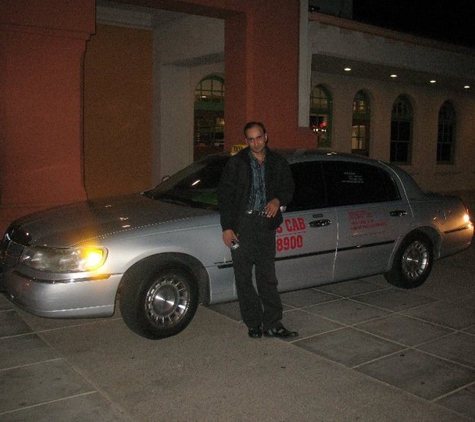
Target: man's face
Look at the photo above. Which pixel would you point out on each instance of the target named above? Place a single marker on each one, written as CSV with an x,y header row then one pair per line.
x,y
256,139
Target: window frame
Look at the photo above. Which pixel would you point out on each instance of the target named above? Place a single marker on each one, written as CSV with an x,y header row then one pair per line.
x,y
211,98
321,115
402,121
361,119
446,133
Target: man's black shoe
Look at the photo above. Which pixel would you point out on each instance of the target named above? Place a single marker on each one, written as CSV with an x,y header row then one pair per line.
x,y
280,332
255,332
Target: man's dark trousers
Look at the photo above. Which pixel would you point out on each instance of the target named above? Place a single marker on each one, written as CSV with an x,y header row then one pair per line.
x,y
257,247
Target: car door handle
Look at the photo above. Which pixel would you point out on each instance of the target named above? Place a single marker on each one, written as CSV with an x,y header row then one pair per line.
x,y
319,223
398,213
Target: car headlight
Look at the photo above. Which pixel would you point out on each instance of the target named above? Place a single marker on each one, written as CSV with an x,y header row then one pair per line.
x,y
63,260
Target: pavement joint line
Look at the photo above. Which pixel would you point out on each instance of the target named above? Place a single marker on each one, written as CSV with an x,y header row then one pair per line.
x,y
47,402
26,365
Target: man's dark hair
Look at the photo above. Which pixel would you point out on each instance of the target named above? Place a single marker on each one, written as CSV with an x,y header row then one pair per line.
x,y
248,125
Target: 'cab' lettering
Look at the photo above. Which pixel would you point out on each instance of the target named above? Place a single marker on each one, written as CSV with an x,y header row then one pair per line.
x,y
294,224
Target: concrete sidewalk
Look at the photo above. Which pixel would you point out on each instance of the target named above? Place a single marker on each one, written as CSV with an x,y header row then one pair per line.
x,y
357,358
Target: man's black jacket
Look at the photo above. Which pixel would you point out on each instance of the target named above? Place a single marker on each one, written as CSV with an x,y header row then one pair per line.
x,y
235,187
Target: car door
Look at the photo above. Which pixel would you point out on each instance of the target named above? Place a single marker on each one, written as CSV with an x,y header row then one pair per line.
x,y
371,215
306,240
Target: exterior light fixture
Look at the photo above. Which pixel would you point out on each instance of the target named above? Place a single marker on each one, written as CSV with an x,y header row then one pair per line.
x,y
433,81
467,86
347,69
393,75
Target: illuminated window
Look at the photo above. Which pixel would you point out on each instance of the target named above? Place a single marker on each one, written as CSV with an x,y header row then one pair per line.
x,y
401,131
209,94
321,108
360,128
446,134
209,116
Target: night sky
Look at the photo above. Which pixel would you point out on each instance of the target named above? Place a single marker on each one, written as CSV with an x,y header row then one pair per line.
x,y
449,21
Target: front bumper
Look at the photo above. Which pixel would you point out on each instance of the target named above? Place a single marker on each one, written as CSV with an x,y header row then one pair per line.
x,y
75,298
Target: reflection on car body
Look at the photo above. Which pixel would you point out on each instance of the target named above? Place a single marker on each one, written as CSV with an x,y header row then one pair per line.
x,y
162,252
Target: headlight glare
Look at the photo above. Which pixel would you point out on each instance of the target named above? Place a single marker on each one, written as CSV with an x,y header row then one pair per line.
x,y
63,260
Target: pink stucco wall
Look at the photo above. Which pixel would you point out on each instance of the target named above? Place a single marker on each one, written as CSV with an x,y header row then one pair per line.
x,y
42,47
41,51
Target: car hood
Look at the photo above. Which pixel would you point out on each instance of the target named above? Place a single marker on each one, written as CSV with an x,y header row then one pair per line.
x,y
86,221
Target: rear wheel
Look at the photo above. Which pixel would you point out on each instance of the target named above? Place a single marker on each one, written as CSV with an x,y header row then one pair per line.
x,y
158,301
412,263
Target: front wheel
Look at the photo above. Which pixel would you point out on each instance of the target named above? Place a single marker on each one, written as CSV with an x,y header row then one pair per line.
x,y
158,301
412,263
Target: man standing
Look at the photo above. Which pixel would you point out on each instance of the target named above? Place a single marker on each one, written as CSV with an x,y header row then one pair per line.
x,y
255,183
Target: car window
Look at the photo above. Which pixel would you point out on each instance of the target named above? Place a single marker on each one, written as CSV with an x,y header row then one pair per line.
x,y
351,183
309,188
195,185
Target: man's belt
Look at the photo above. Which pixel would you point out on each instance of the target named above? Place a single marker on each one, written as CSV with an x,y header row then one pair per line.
x,y
259,213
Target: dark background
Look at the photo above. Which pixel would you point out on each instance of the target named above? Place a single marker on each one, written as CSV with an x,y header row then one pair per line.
x,y
449,21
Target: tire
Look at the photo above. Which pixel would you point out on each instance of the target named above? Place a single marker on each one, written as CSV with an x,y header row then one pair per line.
x,y
412,263
157,300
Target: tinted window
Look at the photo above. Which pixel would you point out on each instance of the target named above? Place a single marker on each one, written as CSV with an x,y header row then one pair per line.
x,y
356,183
309,190
195,185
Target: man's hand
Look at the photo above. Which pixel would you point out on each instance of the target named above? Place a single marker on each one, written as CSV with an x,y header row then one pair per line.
x,y
228,236
272,207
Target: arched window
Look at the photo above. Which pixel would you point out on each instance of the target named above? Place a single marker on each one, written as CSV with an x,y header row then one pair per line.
x,y
446,134
360,132
209,93
401,131
209,116
321,109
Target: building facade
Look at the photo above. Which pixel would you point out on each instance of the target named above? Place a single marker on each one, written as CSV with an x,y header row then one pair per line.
x,y
104,101
395,97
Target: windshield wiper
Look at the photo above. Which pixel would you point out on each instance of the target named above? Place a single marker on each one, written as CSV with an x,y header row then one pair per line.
x,y
147,193
173,200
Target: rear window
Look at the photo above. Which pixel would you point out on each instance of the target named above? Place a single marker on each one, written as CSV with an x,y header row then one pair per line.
x,y
320,184
357,183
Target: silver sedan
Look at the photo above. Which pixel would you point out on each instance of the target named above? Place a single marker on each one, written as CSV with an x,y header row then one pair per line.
x,y
160,252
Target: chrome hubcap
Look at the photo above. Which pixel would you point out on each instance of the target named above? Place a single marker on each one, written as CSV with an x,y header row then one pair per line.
x,y
167,301
415,260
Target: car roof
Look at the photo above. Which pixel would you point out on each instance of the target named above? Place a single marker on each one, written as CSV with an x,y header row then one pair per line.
x,y
294,154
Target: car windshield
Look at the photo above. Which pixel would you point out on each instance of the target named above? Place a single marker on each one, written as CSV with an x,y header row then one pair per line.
x,y
196,185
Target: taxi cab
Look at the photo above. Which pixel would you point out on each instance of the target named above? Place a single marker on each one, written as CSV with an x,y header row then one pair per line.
x,y
160,252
